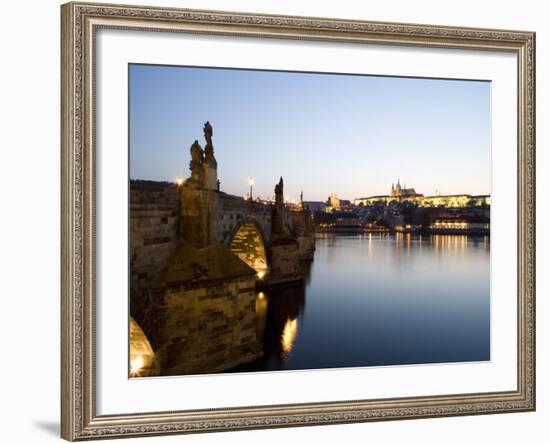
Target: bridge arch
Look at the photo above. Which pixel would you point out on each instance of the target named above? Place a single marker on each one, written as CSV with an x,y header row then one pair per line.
x,y
247,241
143,361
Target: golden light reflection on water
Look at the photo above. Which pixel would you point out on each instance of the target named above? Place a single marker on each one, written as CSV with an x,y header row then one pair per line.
x,y
261,314
456,244
288,337
442,244
370,246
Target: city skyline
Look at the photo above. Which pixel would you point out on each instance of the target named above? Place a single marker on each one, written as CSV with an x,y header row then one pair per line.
x,y
323,133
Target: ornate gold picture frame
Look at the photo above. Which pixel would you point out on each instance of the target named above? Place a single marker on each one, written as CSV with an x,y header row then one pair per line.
x,y
80,22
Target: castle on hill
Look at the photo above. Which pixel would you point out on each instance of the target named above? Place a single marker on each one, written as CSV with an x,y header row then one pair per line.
x,y
403,194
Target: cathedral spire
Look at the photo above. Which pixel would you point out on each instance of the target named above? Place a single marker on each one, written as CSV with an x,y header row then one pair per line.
x,y
398,188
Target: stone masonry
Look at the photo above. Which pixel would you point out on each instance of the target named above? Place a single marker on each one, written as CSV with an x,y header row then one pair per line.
x,y
205,303
154,222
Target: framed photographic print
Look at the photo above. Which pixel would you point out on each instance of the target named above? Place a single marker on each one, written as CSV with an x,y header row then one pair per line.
x,y
281,221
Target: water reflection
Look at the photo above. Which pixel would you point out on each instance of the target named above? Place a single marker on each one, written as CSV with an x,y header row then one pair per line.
x,y
261,313
288,337
279,311
380,299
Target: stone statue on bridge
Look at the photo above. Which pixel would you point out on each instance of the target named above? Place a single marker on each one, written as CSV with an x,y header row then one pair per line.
x,y
210,163
278,210
208,132
279,197
203,164
196,163
197,153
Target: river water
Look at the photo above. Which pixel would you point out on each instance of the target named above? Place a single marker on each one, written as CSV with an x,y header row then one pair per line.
x,y
380,299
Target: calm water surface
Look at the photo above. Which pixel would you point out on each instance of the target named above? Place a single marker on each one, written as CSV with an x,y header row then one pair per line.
x,y
380,300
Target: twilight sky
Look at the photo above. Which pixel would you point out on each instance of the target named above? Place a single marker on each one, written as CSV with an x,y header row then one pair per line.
x,y
324,133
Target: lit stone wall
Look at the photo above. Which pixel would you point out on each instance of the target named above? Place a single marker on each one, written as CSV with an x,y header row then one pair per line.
x,y
207,328
199,215
154,222
303,231
154,226
285,261
306,247
448,201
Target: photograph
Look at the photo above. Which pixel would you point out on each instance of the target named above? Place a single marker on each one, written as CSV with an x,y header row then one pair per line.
x,y
288,220
294,217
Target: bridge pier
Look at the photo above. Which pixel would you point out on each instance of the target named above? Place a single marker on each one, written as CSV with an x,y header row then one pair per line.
x,y
306,247
285,263
205,309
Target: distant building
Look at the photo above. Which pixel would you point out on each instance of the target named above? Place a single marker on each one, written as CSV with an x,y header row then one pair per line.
x,y
334,204
315,206
344,222
469,224
346,205
455,201
404,194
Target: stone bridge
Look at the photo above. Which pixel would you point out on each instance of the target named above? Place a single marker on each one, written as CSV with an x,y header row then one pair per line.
x,y
197,255
247,229
262,234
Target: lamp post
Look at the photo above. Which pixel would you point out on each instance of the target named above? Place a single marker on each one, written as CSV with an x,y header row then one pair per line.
x,y
250,183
